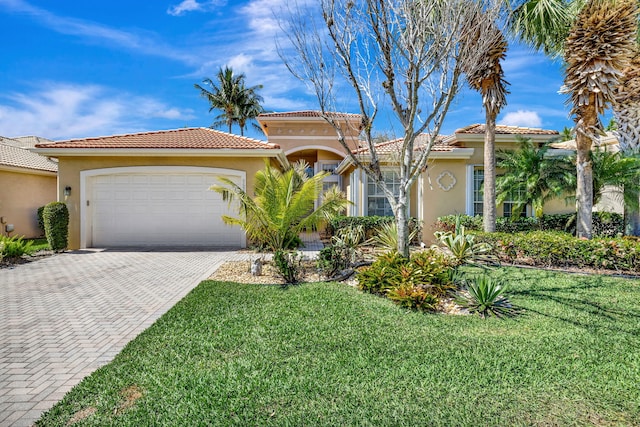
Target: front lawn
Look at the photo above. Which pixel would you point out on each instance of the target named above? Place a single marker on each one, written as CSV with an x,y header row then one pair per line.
x,y
327,354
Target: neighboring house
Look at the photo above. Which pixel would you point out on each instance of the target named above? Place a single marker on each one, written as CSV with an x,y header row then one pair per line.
x,y
27,181
152,188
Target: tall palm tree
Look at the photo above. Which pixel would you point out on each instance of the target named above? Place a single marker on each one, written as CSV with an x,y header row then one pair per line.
x,y
626,110
546,24
597,51
236,102
532,177
486,76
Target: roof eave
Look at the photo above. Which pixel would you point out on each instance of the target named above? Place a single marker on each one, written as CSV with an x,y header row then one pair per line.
x,y
26,170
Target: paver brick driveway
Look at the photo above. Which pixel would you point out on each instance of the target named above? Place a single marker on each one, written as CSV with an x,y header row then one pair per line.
x,y
65,316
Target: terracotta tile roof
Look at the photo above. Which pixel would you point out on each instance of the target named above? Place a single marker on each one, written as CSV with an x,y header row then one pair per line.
x,y
307,113
394,145
14,155
187,138
506,130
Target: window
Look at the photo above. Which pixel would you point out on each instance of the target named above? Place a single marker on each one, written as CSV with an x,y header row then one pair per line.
x,y
478,197
513,201
377,203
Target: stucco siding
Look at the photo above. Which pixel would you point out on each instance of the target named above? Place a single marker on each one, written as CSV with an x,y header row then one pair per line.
x,y
21,194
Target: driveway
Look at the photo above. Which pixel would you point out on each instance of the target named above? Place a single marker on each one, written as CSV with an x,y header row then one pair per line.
x,y
64,316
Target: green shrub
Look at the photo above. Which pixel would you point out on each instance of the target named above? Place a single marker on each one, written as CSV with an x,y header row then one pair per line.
x,y
370,224
557,249
413,297
428,270
485,297
56,225
15,247
41,219
342,252
289,265
605,224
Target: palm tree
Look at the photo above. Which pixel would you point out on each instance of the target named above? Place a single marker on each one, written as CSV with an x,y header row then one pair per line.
x,y
613,169
626,110
485,75
596,52
236,102
549,25
283,205
532,177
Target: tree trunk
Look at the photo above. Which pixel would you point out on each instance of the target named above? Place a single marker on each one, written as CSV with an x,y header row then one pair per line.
x,y
584,190
402,224
633,221
489,199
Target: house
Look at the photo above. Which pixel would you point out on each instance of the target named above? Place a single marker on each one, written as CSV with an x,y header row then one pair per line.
x,y
27,181
152,188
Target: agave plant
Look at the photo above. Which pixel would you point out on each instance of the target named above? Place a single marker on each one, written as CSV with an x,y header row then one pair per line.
x,y
463,247
486,298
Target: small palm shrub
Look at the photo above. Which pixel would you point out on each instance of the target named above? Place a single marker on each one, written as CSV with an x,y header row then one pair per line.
x,y
56,225
15,247
283,205
386,236
486,298
289,265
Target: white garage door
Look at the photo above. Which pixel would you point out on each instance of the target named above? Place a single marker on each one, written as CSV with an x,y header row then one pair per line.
x,y
159,209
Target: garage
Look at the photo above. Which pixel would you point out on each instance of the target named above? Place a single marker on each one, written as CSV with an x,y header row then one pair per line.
x,y
158,206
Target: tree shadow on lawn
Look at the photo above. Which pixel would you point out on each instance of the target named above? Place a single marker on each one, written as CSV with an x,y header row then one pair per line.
x,y
573,299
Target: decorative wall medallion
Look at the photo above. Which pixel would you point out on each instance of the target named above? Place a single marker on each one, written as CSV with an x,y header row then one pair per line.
x,y
446,181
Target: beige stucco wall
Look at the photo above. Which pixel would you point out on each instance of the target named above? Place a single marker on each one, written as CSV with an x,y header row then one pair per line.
x,y
21,194
293,135
70,168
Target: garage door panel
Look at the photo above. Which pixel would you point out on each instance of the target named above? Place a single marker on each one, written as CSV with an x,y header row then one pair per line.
x,y
160,210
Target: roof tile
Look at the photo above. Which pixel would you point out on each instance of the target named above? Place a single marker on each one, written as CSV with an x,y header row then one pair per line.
x,y
506,130
307,113
187,138
14,155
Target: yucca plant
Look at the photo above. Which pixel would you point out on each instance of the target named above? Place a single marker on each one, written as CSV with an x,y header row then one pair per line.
x,y
283,205
486,298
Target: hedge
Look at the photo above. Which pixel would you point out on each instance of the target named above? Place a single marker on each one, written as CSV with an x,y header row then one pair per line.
x,y
369,223
56,225
605,224
559,249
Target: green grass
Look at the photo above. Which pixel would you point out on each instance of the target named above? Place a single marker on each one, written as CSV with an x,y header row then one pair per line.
x,y
40,245
326,354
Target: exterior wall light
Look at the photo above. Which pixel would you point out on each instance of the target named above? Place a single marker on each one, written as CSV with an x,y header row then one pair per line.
x,y
67,191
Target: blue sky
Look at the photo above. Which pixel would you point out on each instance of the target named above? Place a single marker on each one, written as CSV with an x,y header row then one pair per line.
x,y
79,69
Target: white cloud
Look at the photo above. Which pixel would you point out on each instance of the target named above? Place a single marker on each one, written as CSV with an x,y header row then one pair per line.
x,y
524,118
194,6
67,111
